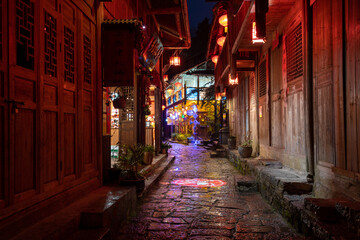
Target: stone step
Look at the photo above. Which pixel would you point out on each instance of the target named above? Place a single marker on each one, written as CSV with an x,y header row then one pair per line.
x,y
271,163
350,211
218,154
323,209
247,186
91,234
105,206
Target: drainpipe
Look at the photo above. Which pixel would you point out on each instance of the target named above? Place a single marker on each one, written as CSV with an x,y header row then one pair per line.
x,y
308,91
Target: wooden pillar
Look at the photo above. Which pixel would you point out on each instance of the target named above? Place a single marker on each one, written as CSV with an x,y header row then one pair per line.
x,y
308,89
158,119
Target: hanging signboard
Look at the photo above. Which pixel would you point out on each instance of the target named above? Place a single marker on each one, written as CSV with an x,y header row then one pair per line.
x,y
151,53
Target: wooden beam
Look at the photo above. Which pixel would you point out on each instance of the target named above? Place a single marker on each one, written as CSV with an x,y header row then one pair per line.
x,y
178,25
164,11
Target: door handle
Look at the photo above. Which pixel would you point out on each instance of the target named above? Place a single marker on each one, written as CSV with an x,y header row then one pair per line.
x,y
14,104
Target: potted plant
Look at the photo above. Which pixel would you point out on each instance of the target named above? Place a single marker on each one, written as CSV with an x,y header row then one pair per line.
x,y
165,147
245,148
148,154
147,109
232,142
130,158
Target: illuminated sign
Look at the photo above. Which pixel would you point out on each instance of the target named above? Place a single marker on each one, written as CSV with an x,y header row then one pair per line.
x,y
199,182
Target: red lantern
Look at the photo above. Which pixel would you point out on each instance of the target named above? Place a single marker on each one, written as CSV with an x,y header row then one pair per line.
x,y
175,60
214,59
220,41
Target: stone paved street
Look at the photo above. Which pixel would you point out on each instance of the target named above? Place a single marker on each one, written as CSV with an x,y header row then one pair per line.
x,y
176,211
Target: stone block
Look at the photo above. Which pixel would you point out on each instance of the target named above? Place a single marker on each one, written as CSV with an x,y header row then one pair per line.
x,y
297,188
323,209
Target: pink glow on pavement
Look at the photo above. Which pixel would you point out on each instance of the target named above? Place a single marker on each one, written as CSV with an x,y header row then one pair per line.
x,y
199,182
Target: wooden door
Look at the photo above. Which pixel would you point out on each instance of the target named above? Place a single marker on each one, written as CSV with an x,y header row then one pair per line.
x,y
47,100
4,108
352,101
24,124
323,84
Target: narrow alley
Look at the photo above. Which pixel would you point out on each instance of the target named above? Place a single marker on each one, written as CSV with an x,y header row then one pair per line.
x,y
179,207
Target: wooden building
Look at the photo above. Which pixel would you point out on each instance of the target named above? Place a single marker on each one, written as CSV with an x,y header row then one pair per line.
x,y
51,97
297,90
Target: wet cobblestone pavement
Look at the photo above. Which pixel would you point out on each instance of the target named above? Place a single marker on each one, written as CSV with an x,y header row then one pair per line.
x,y
178,211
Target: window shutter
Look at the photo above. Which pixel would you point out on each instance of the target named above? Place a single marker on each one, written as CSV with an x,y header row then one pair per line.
x,y
294,56
262,79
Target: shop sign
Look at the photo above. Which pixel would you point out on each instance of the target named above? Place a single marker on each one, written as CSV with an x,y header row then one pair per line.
x,y
151,53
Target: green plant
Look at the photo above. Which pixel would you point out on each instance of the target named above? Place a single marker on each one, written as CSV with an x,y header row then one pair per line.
x,y
181,137
165,145
129,160
149,148
147,109
174,136
247,140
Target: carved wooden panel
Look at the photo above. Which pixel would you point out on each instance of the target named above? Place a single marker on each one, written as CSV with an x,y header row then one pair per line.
x,y
25,33
50,95
87,59
88,137
69,55
69,98
25,89
50,146
50,39
69,144
24,154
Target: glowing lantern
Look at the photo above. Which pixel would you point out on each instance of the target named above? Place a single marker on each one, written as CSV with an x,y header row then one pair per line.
x,y
215,58
175,60
169,91
223,20
233,81
178,85
163,107
255,39
220,41
166,77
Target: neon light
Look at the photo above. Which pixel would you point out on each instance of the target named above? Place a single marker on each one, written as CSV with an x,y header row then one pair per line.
x,y
199,182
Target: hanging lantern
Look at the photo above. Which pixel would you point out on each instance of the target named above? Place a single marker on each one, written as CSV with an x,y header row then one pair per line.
x,y
163,107
220,41
175,61
169,91
214,59
178,85
255,39
223,20
166,77
233,81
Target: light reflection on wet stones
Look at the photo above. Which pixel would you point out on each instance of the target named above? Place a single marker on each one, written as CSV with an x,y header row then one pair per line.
x,y
171,211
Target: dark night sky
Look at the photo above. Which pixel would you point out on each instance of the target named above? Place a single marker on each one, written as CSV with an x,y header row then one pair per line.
x,y
198,10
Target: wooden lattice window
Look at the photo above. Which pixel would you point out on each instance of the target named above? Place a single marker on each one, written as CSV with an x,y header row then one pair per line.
x,y
50,45
128,111
25,33
262,79
87,59
69,55
294,56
